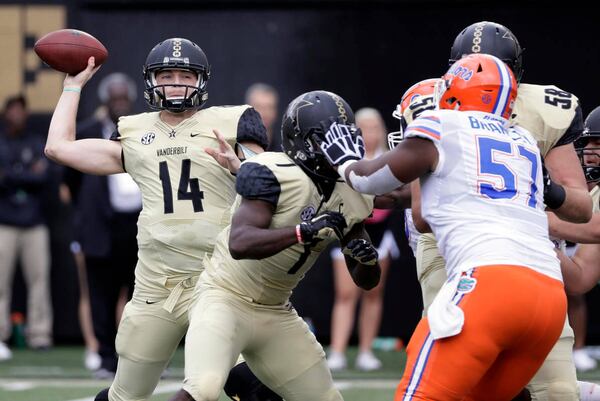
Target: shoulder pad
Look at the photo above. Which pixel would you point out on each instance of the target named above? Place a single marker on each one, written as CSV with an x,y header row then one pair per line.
x,y
552,106
257,181
127,124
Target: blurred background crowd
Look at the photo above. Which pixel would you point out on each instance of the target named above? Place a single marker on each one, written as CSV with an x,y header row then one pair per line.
x,y
67,240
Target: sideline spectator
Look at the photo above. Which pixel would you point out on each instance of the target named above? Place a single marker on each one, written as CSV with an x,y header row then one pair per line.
x,y
23,232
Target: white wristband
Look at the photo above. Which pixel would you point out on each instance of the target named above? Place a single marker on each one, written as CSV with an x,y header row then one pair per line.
x,y
342,168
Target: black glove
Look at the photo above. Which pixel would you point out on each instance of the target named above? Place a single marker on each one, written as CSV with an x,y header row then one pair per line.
x,y
554,194
308,231
362,251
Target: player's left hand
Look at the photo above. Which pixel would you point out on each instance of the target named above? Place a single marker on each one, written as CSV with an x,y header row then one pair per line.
x,y
341,146
225,155
362,251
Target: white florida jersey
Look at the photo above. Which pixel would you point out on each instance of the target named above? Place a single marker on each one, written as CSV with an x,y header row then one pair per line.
x,y
484,201
412,234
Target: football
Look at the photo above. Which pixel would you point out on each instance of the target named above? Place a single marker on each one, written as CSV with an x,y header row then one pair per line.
x,y
68,50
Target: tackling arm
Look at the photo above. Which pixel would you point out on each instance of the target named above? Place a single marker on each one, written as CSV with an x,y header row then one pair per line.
x,y
582,272
92,156
587,233
565,169
412,158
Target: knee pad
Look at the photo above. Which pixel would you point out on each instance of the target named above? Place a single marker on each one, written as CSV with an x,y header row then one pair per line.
x,y
102,395
205,388
245,386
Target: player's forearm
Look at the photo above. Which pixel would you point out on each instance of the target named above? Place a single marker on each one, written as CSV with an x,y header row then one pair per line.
x,y
406,162
62,125
577,207
249,242
577,278
364,276
587,233
369,177
572,274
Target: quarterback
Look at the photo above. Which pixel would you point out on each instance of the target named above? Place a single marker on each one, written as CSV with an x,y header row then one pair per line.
x,y
481,183
186,197
290,207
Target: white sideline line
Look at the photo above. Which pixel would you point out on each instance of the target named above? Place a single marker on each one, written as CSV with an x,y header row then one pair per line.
x,y
163,388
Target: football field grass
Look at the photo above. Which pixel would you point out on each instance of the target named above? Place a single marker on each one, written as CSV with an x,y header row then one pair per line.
x,y
59,375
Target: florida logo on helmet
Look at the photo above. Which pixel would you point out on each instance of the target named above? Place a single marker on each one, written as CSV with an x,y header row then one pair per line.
x,y
479,82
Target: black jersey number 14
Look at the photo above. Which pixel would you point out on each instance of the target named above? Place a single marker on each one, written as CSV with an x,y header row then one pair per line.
x,y
189,188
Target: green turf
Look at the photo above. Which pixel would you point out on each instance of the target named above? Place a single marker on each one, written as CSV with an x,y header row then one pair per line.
x,y
59,375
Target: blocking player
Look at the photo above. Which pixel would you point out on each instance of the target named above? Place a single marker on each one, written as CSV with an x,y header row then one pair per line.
x,y
290,206
554,118
186,197
582,272
503,306
415,100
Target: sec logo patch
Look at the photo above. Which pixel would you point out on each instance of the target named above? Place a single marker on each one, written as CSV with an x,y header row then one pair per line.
x,y
148,138
307,213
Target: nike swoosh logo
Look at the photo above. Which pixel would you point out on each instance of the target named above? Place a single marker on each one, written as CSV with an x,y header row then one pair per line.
x,y
150,302
194,135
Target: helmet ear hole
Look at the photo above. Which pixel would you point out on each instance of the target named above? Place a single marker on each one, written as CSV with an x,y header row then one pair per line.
x,y
479,68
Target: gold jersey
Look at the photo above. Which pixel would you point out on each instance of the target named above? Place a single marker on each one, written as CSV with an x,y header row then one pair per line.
x,y
275,178
549,113
186,194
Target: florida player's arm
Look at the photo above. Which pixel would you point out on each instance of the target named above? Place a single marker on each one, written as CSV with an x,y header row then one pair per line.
x,y
565,169
411,159
367,275
92,156
587,233
582,272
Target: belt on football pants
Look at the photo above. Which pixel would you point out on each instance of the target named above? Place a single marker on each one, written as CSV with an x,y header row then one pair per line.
x,y
180,286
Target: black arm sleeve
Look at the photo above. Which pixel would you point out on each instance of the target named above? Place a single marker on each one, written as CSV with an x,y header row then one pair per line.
x,y
251,128
255,181
574,130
